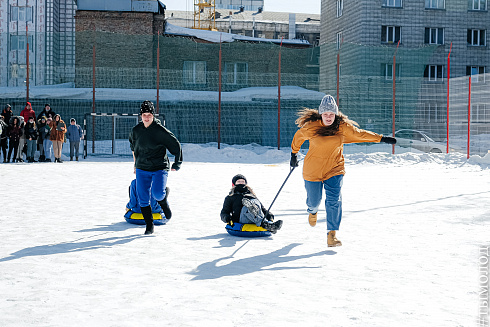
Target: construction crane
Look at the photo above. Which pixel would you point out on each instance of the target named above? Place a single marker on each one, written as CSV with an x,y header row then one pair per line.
x,y
205,15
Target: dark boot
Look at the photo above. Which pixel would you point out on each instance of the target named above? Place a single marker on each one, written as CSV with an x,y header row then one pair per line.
x,y
59,160
164,204
42,157
148,216
272,227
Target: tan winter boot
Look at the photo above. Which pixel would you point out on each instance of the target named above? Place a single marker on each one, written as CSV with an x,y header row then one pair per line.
x,y
312,219
332,240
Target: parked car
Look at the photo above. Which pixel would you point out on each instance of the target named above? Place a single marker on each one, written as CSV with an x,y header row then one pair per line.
x,y
409,138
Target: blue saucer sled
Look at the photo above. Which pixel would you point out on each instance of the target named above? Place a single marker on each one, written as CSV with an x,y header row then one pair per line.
x,y
246,230
137,218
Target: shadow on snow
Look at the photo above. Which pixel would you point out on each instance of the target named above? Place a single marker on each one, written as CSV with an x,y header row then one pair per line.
x,y
213,269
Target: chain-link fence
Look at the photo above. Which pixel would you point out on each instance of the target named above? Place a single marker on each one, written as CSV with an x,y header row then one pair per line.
x,y
123,71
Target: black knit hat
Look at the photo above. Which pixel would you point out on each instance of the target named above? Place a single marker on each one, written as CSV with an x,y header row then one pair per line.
x,y
147,106
237,177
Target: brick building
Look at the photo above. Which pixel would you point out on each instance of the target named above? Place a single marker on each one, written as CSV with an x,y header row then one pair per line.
x,y
126,42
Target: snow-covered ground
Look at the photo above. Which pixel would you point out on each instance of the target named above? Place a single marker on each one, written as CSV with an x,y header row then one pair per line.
x,y
411,231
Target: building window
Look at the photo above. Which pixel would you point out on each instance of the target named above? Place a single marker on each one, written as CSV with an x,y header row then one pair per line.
x,y
392,3
23,14
477,73
387,71
480,113
434,35
340,7
476,38
390,34
339,40
194,72
20,71
434,113
19,42
236,73
434,4
477,5
434,73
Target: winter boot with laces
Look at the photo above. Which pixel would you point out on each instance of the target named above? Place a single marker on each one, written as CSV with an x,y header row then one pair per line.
x,y
312,219
148,216
272,227
332,239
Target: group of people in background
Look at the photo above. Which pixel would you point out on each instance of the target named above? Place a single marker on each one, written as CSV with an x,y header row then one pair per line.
x,y
45,133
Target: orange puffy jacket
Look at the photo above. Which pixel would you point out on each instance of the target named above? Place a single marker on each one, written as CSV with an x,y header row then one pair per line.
x,y
325,157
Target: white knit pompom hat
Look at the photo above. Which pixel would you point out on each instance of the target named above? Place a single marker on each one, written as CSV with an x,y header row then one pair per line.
x,y
328,105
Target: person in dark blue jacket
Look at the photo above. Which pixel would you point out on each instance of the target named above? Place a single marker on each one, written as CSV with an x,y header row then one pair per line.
x,y
149,142
74,134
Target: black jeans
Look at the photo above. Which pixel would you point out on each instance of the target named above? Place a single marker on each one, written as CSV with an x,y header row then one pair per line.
x,y
14,145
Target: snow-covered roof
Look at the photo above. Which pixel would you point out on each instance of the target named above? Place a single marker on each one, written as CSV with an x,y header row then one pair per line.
x,y
264,16
67,91
214,36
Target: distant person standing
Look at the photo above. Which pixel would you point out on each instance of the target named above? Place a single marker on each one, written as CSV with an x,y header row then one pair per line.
x,y
28,112
47,112
74,134
57,136
7,114
4,138
31,133
149,141
14,132
45,134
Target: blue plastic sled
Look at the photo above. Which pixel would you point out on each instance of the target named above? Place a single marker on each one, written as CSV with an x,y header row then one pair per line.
x,y
137,218
246,230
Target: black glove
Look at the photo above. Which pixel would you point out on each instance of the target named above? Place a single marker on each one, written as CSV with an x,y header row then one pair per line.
x,y
294,160
175,166
269,216
225,218
388,139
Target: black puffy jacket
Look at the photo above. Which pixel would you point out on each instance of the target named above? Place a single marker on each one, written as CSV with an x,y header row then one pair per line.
x,y
232,205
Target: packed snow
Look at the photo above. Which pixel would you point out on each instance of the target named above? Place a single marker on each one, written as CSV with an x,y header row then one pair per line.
x,y
412,228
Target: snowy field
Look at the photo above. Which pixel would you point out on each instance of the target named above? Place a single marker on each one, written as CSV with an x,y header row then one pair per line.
x,y
411,232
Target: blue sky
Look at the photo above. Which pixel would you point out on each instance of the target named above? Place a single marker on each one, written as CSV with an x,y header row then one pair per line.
x,y
298,6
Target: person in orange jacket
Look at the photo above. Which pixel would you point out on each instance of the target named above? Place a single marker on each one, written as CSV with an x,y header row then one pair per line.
x,y
57,136
327,130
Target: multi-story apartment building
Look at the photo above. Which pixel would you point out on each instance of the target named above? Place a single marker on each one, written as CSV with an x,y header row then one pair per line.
x,y
48,27
365,34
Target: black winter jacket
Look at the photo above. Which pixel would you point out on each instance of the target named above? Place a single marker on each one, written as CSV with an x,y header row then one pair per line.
x,y
30,131
48,114
150,146
232,205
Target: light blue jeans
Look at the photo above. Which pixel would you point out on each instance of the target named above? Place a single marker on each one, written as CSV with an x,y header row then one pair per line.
x,y
333,199
48,148
246,217
31,148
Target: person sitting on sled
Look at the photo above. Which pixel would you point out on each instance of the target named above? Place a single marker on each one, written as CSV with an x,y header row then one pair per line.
x,y
242,206
133,204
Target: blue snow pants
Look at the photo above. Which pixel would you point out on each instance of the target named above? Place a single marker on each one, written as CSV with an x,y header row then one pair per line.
x,y
150,183
133,203
333,199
